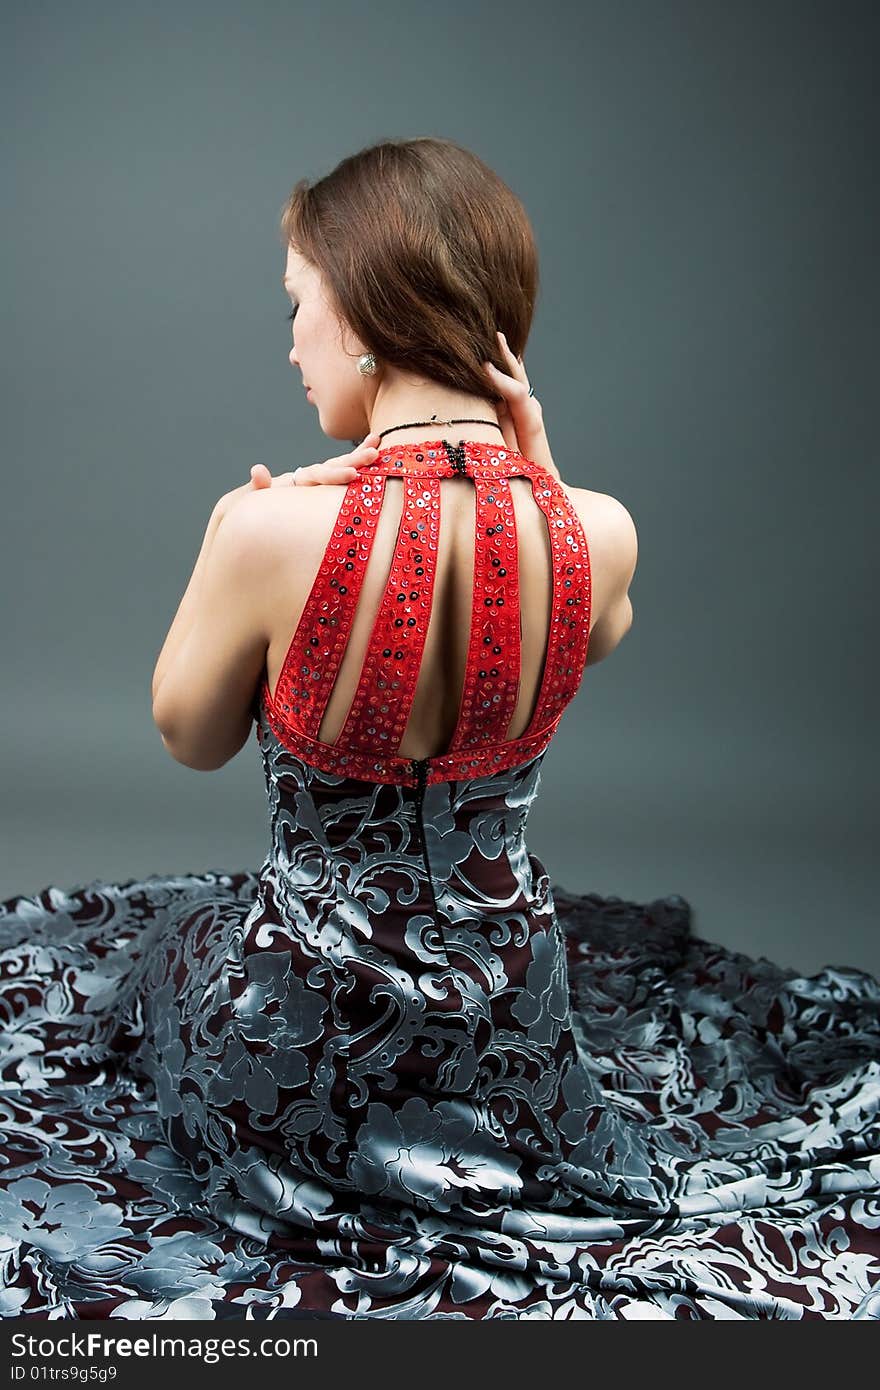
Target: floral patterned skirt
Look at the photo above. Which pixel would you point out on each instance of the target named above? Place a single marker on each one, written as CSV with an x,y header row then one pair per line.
x,y
147,1172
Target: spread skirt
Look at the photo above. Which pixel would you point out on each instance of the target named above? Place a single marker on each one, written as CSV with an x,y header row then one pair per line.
x,y
702,1137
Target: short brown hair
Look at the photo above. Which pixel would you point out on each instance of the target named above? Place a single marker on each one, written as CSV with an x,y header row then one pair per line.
x,y
426,251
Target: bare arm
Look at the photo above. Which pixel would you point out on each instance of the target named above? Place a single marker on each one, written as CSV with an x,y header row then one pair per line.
x,y
182,622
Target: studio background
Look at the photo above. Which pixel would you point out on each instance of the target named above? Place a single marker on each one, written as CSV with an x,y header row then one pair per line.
x,y
701,183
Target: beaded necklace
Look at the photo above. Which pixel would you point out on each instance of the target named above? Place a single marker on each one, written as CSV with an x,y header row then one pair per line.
x,y
456,452
417,424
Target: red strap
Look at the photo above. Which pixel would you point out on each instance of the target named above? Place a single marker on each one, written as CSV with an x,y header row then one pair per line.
x,y
380,710
318,645
492,673
570,608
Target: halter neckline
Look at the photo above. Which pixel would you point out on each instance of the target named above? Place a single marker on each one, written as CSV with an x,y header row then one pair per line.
x,y
473,446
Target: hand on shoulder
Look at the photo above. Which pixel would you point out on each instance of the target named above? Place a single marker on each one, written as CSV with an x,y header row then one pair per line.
x,y
341,469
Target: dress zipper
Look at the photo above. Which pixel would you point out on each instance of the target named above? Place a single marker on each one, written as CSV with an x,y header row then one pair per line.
x,y
420,769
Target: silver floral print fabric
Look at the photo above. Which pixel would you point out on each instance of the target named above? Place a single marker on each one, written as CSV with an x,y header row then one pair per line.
x,y
397,1073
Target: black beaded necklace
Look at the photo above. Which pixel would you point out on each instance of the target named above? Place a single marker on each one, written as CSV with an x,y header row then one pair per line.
x,y
455,451
417,424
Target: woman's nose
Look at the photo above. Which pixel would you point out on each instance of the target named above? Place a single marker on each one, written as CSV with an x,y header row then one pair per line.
x,y
292,357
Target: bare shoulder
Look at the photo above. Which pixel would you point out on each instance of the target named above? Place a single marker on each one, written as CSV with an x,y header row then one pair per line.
x,y
610,531
273,517
613,544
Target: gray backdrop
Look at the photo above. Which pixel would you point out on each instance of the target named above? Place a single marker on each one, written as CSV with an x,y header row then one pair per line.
x,y
700,180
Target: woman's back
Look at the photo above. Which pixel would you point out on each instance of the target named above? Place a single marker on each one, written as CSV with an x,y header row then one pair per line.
x,y
380,644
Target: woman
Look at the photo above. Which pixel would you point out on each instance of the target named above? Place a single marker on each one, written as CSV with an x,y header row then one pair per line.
x,y
396,1072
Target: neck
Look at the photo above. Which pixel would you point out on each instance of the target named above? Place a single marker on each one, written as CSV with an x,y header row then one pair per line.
x,y
404,405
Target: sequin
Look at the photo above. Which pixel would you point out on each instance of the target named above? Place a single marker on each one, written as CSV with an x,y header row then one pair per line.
x,y
489,694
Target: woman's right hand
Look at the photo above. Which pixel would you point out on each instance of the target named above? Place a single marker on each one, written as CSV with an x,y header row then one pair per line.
x,y
519,414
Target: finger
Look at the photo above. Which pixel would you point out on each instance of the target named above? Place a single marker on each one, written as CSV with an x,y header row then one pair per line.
x,y
314,474
360,453
510,379
360,457
260,476
367,447
517,365
525,415
506,384
495,373
502,385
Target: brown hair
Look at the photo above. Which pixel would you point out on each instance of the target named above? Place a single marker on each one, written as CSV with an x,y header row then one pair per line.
x,y
426,252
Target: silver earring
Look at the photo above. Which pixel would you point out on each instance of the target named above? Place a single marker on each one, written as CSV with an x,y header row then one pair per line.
x,y
367,365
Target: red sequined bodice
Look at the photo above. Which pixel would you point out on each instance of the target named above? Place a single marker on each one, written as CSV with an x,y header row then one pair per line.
x,y
367,746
